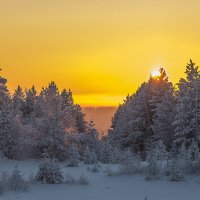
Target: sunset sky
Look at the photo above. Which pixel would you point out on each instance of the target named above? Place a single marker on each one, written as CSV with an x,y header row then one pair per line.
x,y
100,49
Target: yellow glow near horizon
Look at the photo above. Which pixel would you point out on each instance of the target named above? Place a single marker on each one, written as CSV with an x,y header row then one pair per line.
x,y
100,49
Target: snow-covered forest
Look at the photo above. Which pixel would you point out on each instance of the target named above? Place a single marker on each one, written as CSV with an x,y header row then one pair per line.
x,y
154,137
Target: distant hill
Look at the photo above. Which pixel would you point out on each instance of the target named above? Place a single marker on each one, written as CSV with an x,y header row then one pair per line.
x,y
102,116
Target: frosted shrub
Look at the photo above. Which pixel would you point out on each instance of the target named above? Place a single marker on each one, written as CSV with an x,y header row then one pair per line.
x,y
106,153
160,150
83,180
196,167
109,172
130,164
50,172
15,181
192,160
95,168
74,156
4,182
32,179
116,155
152,169
90,156
175,170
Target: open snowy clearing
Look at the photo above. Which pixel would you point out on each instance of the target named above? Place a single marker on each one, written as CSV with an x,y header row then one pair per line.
x,y
101,186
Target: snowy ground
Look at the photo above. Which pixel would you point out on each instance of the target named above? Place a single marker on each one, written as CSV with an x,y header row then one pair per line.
x,y
102,187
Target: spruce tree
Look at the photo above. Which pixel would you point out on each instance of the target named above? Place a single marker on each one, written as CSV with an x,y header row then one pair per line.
x,y
51,138
134,120
8,135
163,120
187,118
92,136
89,156
73,155
28,105
18,100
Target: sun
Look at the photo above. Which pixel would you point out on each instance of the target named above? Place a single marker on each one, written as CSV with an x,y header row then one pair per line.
x,y
155,73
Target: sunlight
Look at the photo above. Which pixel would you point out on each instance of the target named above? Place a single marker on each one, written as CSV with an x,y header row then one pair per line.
x,y
155,73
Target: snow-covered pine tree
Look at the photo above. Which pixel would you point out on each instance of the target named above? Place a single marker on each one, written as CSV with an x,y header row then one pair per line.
x,y
136,115
187,118
67,111
16,181
191,158
79,117
59,106
51,99
39,107
92,136
50,171
153,169
164,117
51,138
116,155
90,156
106,152
67,102
66,99
28,105
160,150
130,163
131,122
193,150
176,169
8,135
73,155
18,99
119,128
3,90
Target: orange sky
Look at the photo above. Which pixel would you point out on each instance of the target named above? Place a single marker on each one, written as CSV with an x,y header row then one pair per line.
x,y
101,49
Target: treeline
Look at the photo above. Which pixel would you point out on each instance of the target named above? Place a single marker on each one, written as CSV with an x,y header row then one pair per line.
x,y
157,123
159,113
47,122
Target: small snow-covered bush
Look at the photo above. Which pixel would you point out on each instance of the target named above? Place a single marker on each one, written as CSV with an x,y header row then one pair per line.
x,y
175,170
50,172
130,164
32,179
110,172
160,150
196,167
89,156
14,181
4,182
83,180
189,158
73,156
106,153
95,168
152,169
116,155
